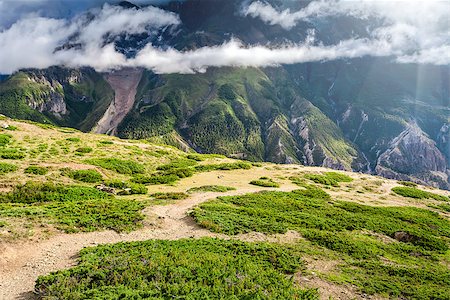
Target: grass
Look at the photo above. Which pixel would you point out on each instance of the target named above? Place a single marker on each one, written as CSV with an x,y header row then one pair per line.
x,y
7,168
73,139
155,179
88,176
71,208
128,188
183,269
11,153
411,192
265,182
5,139
407,183
329,178
127,167
223,167
211,188
36,170
169,196
84,150
412,268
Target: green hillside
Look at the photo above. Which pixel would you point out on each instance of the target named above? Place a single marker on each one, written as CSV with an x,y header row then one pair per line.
x,y
275,231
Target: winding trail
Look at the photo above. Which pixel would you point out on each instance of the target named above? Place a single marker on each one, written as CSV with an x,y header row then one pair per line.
x,y
124,82
22,263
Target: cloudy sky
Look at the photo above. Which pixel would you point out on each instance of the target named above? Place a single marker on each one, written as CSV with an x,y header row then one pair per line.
x,y
409,31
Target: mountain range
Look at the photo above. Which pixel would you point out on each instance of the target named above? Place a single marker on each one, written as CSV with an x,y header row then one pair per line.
x,y
366,114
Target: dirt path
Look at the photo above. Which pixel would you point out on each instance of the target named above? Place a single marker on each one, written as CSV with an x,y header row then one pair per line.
x,y
21,264
124,83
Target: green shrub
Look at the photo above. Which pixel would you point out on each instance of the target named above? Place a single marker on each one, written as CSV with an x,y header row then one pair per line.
x,y
182,269
5,139
36,170
33,192
11,153
329,178
117,165
106,142
11,128
411,264
178,164
73,139
169,196
180,173
223,166
71,208
265,182
128,188
84,150
196,157
7,168
155,179
88,176
407,183
412,192
211,188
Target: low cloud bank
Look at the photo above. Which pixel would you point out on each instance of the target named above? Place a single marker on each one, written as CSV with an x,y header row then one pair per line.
x,y
418,30
35,42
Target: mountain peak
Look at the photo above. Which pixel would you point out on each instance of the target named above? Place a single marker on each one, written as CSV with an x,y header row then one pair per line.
x,y
126,4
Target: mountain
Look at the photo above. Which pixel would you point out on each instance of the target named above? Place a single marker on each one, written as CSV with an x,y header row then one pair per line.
x,y
363,114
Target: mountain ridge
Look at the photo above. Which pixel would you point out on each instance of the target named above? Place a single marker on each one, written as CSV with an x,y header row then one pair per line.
x,y
344,114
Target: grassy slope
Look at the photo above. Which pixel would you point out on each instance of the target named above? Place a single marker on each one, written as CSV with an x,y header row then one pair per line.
x,y
19,90
353,234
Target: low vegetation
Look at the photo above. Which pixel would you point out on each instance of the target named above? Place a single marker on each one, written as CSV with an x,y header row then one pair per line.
x,y
329,178
36,170
88,176
127,167
183,269
224,167
265,182
11,153
128,188
415,193
169,196
5,139
84,150
7,168
401,249
71,208
407,183
211,188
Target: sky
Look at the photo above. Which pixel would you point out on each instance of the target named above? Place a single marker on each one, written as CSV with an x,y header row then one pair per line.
x,y
410,31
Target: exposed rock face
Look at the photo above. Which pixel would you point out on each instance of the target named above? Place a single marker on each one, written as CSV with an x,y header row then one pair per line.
x,y
413,155
51,98
124,83
443,141
320,138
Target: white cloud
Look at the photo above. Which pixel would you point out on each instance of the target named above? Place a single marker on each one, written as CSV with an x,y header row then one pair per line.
x,y
31,42
235,54
419,29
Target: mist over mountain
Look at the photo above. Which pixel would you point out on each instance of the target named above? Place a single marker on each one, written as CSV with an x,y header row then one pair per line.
x,y
351,85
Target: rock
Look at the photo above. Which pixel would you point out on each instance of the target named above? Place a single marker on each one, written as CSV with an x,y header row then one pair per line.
x,y
404,237
413,155
106,189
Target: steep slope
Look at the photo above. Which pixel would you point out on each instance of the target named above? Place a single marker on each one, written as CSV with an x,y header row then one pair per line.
x,y
342,113
342,227
124,83
75,98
